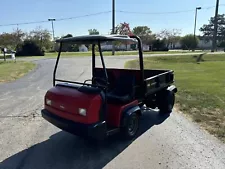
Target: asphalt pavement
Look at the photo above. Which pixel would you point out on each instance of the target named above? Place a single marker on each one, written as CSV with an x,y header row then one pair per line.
x,y
27,141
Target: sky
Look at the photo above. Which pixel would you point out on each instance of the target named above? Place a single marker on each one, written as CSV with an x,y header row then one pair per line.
x,y
158,15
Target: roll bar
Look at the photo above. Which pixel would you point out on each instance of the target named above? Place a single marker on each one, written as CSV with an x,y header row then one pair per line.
x,y
102,59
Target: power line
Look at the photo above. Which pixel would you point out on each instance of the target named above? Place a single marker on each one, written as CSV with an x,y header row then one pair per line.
x,y
82,16
60,19
170,12
23,23
155,13
99,13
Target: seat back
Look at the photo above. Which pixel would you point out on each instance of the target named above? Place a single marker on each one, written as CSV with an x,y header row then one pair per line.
x,y
125,85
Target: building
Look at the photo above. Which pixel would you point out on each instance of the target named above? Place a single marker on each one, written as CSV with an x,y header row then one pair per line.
x,y
83,48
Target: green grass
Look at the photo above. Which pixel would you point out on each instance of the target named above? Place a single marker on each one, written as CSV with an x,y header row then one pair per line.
x,y
13,70
83,54
201,87
106,53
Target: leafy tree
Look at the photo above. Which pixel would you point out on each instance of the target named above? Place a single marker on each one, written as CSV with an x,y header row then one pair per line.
x,y
69,47
41,37
68,36
141,30
159,45
188,41
29,48
11,40
93,32
207,29
145,33
221,44
170,36
122,29
6,40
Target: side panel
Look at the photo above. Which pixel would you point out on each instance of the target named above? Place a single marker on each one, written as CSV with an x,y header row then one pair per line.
x,y
114,113
159,82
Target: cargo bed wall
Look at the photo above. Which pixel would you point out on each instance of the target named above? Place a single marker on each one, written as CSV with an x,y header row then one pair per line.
x,y
150,73
157,80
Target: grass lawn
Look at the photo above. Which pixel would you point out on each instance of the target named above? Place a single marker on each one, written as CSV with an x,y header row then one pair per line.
x,y
106,53
10,70
201,87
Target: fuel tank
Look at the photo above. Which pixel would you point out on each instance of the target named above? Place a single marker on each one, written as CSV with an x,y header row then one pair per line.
x,y
80,104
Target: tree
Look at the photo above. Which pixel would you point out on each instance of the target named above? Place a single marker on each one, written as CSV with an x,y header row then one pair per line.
x,y
19,36
11,40
207,29
6,40
67,36
122,29
145,33
69,47
93,32
142,31
41,37
188,41
29,48
171,37
159,45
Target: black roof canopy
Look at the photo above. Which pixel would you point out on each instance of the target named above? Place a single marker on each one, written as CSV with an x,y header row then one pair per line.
x,y
93,39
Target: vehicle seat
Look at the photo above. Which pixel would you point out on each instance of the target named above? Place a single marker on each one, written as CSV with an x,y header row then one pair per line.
x,y
123,91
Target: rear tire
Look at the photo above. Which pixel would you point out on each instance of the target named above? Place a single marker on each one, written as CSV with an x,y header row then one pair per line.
x,y
130,129
166,100
150,102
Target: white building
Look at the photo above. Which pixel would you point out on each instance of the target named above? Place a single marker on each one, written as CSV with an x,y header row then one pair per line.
x,y
201,45
83,48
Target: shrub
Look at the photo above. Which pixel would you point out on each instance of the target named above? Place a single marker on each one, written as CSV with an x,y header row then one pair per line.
x,y
29,48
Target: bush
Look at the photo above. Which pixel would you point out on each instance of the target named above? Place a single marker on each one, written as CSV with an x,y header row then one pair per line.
x,y
221,44
159,45
29,48
189,41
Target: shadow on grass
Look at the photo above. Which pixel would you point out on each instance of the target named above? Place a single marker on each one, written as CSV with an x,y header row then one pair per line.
x,y
65,151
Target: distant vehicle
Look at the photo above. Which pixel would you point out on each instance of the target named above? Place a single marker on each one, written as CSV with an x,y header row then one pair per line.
x,y
111,101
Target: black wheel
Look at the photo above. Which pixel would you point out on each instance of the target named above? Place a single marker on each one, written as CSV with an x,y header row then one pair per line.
x,y
166,100
131,127
150,102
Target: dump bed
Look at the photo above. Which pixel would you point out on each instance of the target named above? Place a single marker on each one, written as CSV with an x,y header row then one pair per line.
x,y
156,80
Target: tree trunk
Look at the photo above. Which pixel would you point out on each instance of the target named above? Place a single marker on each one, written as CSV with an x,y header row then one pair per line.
x,y
4,56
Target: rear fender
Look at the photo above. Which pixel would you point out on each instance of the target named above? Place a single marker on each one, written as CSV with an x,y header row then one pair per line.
x,y
129,111
172,88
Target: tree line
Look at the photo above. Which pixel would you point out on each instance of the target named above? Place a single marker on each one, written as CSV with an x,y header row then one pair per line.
x,y
38,41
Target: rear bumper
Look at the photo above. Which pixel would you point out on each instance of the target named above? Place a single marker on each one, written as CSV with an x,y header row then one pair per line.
x,y
96,131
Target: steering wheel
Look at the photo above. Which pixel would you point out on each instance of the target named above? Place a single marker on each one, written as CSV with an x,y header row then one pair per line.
x,y
98,82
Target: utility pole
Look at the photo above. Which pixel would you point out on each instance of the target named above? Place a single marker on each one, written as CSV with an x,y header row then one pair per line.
x,y
53,34
196,12
113,25
214,43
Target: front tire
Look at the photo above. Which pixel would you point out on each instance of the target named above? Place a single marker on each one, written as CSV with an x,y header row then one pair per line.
x,y
131,127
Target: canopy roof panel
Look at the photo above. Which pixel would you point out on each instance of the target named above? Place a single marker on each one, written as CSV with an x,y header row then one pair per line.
x,y
93,39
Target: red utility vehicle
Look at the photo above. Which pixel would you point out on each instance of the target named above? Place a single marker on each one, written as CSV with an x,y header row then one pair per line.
x,y
111,102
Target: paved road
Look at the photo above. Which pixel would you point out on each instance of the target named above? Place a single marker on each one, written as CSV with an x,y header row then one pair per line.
x,y
29,142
